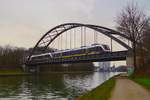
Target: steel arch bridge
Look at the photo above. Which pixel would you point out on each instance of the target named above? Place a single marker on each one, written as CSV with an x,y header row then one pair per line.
x,y
53,33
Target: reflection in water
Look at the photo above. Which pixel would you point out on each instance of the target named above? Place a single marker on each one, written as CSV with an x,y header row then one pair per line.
x,y
50,87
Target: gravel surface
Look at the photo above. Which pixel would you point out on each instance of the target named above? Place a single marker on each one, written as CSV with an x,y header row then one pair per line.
x,y
126,89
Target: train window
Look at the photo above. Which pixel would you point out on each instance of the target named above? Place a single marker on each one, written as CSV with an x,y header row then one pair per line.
x,y
47,56
82,51
90,49
57,54
64,53
106,47
95,49
72,52
67,53
54,54
77,51
99,48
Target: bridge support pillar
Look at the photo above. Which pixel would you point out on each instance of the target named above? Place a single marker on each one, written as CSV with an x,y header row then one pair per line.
x,y
130,61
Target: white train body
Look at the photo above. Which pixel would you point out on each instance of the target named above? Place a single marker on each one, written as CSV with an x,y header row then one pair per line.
x,y
86,50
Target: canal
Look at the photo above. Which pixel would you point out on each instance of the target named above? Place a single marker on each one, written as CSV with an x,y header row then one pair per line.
x,y
56,86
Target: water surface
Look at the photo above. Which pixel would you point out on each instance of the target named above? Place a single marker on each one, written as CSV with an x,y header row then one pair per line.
x,y
58,86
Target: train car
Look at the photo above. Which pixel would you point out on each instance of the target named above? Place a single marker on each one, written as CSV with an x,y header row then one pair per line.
x,y
86,50
44,56
89,50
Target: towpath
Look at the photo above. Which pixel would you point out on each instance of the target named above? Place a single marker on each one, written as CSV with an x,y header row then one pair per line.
x,y
126,89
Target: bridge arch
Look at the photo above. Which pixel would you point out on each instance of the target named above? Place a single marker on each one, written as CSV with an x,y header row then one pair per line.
x,y
53,33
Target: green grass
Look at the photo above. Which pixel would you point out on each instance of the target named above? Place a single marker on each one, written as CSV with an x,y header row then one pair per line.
x,y
142,81
12,72
102,92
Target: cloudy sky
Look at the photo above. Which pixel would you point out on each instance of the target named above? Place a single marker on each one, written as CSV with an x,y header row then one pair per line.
x,y
23,22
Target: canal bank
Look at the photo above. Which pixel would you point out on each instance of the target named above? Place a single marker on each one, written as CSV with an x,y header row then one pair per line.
x,y
120,87
13,72
20,72
102,92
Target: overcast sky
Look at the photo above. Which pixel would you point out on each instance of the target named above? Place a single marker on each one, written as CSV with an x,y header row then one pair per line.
x,y
23,22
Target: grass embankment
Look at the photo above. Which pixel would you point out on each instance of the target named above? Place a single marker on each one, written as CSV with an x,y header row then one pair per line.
x,y
8,72
142,76
102,92
145,82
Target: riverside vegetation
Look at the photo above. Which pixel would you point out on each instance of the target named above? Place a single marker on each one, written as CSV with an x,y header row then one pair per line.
x,y
102,92
11,60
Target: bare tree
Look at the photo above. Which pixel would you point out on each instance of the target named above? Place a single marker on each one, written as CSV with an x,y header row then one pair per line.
x,y
146,40
132,22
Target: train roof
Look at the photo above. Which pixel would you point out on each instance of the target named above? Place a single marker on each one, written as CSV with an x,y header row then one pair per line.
x,y
61,51
84,47
40,55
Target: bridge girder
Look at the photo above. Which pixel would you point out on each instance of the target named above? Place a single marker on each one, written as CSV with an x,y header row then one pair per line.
x,y
53,33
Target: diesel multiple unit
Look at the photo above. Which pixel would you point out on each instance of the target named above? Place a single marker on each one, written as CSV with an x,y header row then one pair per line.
x,y
63,54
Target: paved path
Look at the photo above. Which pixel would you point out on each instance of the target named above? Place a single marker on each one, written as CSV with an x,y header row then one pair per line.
x,y
126,89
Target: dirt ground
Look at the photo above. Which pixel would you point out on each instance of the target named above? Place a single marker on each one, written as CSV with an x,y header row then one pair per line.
x,y
126,89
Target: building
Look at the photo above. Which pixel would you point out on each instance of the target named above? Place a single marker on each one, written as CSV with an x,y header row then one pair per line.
x,y
104,66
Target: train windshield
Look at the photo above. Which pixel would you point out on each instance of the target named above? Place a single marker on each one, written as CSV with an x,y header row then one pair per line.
x,y
106,47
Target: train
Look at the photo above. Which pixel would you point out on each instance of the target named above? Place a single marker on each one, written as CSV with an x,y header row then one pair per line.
x,y
85,50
